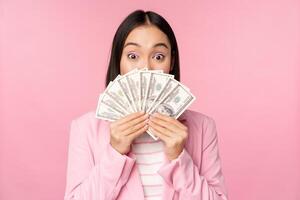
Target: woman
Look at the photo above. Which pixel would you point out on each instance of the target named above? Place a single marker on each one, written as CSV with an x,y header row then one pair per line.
x,y
118,160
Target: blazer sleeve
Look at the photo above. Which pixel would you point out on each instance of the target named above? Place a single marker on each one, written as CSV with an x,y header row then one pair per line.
x,y
186,178
89,181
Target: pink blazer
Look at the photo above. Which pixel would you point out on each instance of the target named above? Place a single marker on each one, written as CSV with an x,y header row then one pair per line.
x,y
96,171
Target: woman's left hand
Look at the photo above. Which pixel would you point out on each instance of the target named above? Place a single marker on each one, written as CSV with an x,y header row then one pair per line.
x,y
171,131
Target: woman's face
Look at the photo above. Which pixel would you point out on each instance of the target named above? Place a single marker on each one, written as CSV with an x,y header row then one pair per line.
x,y
146,46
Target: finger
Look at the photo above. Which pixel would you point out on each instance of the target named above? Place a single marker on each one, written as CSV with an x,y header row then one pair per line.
x,y
137,133
175,130
133,122
157,133
167,125
169,119
134,128
161,129
127,118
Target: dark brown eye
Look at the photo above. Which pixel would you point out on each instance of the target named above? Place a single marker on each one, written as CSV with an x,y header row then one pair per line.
x,y
132,56
159,57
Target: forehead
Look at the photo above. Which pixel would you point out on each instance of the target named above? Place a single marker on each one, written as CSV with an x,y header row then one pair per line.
x,y
147,36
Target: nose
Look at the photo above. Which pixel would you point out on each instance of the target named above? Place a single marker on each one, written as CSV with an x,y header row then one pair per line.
x,y
145,62
146,66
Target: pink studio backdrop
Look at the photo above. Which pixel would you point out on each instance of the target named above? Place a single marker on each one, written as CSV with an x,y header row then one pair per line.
x,y
240,59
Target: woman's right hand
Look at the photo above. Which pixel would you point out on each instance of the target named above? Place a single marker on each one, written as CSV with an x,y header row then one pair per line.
x,y
123,131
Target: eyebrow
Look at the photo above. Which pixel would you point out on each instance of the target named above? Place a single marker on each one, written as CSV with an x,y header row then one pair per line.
x,y
156,45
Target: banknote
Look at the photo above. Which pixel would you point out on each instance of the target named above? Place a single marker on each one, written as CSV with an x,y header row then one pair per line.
x,y
122,81
170,86
133,83
157,83
106,111
145,79
115,91
146,90
175,102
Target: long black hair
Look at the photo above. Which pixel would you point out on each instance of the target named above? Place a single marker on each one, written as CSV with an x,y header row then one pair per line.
x,y
133,20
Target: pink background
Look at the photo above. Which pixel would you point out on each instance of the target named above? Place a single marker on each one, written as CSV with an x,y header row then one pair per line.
x,y
240,59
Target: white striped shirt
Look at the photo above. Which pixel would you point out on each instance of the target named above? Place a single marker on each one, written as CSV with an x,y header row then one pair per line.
x,y
149,158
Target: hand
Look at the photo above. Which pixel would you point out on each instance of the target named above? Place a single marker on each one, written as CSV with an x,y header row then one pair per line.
x,y
172,132
123,131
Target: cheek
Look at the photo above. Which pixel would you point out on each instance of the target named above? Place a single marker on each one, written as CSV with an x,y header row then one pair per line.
x,y
165,66
124,66
166,69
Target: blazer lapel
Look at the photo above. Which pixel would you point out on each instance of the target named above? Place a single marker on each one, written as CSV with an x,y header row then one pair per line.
x,y
134,183
168,191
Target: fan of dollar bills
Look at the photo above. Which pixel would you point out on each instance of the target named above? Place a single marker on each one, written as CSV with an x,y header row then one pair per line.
x,y
143,90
